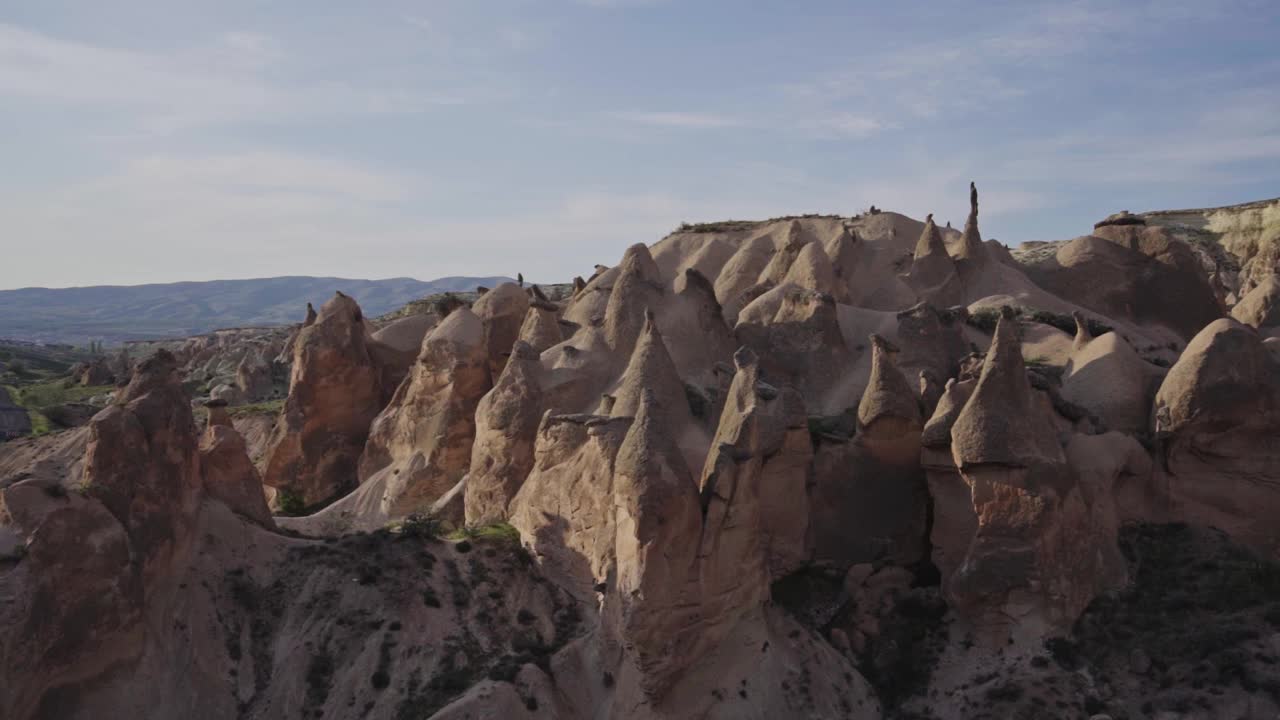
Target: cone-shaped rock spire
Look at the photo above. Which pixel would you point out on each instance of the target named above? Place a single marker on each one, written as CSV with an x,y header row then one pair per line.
x,y
541,328
971,248
930,242
658,521
507,421
652,371
998,424
637,287
888,394
812,269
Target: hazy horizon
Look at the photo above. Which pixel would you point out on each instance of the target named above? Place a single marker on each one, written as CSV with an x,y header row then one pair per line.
x,y
434,139
247,279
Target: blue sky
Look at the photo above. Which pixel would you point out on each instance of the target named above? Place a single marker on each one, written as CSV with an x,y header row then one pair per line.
x,y
163,140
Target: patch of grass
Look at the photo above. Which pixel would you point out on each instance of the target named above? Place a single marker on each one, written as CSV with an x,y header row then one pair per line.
x,y
266,407
739,225
499,533
40,397
40,424
58,392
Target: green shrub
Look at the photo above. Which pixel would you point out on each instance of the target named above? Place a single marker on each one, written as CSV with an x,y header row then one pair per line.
x,y
501,533
985,319
291,504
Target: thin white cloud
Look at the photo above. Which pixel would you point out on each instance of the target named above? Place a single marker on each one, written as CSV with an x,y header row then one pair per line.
x,y
829,125
844,125
221,84
972,72
681,120
619,3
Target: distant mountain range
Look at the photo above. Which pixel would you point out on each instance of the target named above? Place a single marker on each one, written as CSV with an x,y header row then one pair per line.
x,y
114,313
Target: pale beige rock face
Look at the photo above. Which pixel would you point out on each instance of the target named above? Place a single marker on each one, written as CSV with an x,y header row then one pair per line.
x,y
1106,376
541,328
933,273
564,510
501,311
657,521
1249,234
753,488
636,290
796,335
775,272
1260,307
420,446
813,270
405,334
507,420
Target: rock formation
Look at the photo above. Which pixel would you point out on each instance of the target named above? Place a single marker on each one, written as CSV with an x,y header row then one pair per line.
x,y
814,466
228,475
1106,377
541,327
335,391
971,254
1260,307
507,420
502,312
657,519
1041,548
870,498
1134,273
933,272
1216,415
421,445
254,377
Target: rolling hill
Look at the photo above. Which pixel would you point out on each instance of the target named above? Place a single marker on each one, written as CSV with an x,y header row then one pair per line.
x,y
114,313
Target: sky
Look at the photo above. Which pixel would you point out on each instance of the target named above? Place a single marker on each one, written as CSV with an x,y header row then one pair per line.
x,y
164,140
